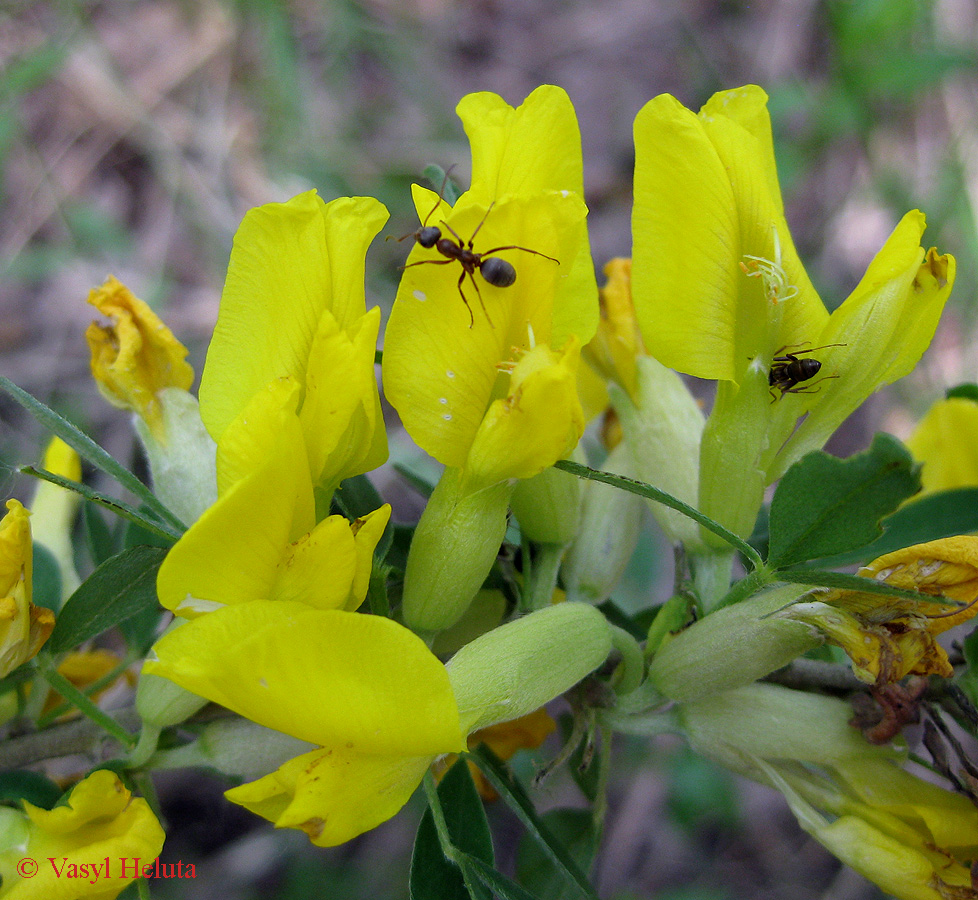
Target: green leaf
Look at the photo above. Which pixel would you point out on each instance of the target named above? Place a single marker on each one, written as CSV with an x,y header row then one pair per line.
x,y
88,449
497,883
967,391
939,515
433,875
19,784
826,505
125,510
516,799
968,680
119,589
574,828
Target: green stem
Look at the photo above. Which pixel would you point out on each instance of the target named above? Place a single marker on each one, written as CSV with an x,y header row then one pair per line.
x,y
653,493
85,706
747,587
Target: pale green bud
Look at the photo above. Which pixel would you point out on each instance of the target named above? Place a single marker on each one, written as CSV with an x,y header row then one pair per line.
x,y
732,647
234,747
548,505
663,426
453,549
610,523
183,467
518,667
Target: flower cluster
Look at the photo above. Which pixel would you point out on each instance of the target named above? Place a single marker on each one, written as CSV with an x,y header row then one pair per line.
x,y
357,663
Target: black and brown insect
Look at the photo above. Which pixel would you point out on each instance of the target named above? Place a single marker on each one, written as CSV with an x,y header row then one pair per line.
x,y
790,370
495,271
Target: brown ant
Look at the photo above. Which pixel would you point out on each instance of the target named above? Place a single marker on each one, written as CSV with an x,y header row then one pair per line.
x,y
497,272
788,371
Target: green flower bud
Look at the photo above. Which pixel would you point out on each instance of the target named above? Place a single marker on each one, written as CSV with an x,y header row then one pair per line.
x,y
663,426
610,523
520,666
548,505
731,647
454,547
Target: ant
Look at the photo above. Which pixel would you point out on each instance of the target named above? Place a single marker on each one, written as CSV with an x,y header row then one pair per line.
x,y
497,272
788,371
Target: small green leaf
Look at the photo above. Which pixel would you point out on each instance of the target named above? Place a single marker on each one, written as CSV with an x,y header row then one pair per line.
x,y
967,391
433,875
666,499
125,510
119,589
19,784
496,882
843,581
826,505
574,828
939,515
87,449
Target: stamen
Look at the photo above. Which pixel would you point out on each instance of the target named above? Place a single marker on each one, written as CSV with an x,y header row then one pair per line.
x,y
776,284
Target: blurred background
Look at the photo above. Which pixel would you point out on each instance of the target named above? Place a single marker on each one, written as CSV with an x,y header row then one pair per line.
x,y
135,135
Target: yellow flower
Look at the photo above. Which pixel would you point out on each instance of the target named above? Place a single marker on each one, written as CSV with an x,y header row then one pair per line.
x,y
946,442
261,540
370,695
24,627
136,356
53,512
483,376
293,307
444,376
101,821
721,293
888,638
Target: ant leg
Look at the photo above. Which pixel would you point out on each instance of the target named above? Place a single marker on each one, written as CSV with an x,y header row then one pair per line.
x,y
429,262
809,388
461,294
482,302
525,250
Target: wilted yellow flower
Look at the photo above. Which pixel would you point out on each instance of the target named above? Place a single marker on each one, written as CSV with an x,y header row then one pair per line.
x,y
136,356
888,638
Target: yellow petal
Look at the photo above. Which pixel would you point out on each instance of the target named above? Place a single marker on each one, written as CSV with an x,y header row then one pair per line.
x,y
341,420
535,147
367,532
333,794
135,356
539,422
232,553
707,203
290,263
882,330
330,677
440,373
946,442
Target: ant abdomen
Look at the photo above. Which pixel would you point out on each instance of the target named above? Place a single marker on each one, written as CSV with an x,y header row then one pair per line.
x,y
497,271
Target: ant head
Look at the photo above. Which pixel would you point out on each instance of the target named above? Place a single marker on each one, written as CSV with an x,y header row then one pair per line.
x,y
428,235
